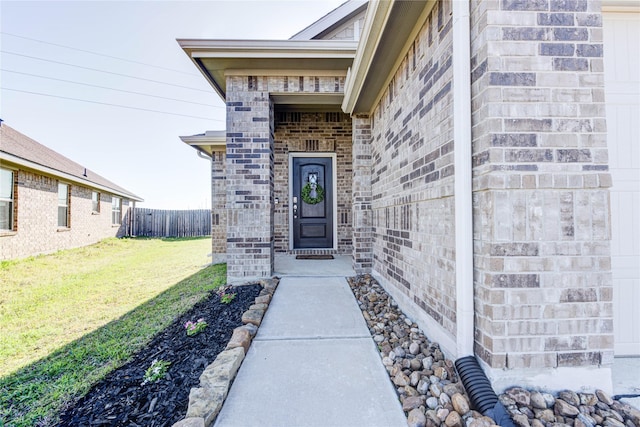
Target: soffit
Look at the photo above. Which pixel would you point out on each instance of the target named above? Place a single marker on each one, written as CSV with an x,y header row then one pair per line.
x,y
218,58
209,142
388,28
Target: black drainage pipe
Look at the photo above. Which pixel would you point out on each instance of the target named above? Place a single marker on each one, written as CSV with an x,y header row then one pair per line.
x,y
480,391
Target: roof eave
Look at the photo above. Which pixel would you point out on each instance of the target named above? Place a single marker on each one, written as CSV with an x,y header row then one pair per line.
x,y
209,143
390,27
263,54
19,161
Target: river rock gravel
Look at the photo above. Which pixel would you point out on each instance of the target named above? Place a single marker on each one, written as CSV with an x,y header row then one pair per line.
x,y
432,395
426,382
538,409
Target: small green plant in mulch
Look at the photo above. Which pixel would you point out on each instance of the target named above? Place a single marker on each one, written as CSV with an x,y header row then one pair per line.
x,y
226,294
194,328
156,371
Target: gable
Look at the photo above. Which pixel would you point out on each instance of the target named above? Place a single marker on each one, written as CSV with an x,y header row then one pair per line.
x,y
343,23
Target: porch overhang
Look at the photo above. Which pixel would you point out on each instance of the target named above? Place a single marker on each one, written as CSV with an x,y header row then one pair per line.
x,y
216,59
209,142
389,30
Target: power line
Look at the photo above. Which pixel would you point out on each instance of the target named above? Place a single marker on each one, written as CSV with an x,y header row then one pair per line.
x,y
111,105
109,88
102,71
99,54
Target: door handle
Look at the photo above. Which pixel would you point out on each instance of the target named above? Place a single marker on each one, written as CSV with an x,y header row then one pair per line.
x,y
295,211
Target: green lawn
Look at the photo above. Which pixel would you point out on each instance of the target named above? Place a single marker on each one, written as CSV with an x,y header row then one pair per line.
x,y
69,318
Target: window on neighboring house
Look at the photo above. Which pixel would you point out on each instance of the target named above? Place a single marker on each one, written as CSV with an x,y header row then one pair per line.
x,y
63,205
95,201
6,199
116,209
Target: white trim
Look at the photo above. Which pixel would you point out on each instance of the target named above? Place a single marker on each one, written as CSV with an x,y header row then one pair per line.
x,y
214,57
374,53
244,48
376,18
463,178
212,141
334,180
401,54
58,174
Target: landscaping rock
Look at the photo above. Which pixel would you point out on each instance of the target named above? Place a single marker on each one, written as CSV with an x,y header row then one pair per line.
x,y
519,395
264,299
190,422
410,403
253,317
565,409
205,403
416,418
223,369
453,420
401,379
570,397
241,338
409,356
253,329
460,404
537,400
604,397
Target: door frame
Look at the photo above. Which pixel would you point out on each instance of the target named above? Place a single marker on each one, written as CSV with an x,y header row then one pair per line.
x,y
334,208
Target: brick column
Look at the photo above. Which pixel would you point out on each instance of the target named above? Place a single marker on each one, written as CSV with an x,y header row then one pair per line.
x,y
218,208
541,198
361,185
249,164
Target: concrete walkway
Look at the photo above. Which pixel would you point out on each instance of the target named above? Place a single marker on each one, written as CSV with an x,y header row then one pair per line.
x,y
312,363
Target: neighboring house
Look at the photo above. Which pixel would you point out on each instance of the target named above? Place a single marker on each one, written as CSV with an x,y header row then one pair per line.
x,y
468,161
49,203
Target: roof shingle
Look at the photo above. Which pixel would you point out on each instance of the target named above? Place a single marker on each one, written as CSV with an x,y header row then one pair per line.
x,y
16,144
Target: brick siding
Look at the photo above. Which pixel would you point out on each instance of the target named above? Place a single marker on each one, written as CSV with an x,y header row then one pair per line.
x,y
412,174
255,226
218,207
36,228
541,203
313,133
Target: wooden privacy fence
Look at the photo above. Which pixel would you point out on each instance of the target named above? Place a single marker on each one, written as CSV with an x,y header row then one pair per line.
x,y
169,223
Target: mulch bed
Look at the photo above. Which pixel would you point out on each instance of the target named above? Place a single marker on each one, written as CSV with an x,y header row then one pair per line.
x,y
120,399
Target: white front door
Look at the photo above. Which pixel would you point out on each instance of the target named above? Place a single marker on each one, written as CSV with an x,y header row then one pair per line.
x,y
622,87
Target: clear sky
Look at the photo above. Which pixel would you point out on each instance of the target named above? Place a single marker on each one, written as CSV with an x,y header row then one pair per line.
x,y
138,150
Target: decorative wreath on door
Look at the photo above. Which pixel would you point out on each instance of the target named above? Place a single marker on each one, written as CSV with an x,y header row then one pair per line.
x,y
312,192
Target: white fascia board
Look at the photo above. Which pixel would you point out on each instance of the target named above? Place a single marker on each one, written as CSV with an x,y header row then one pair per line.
x,y
377,15
240,54
205,48
215,140
19,161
